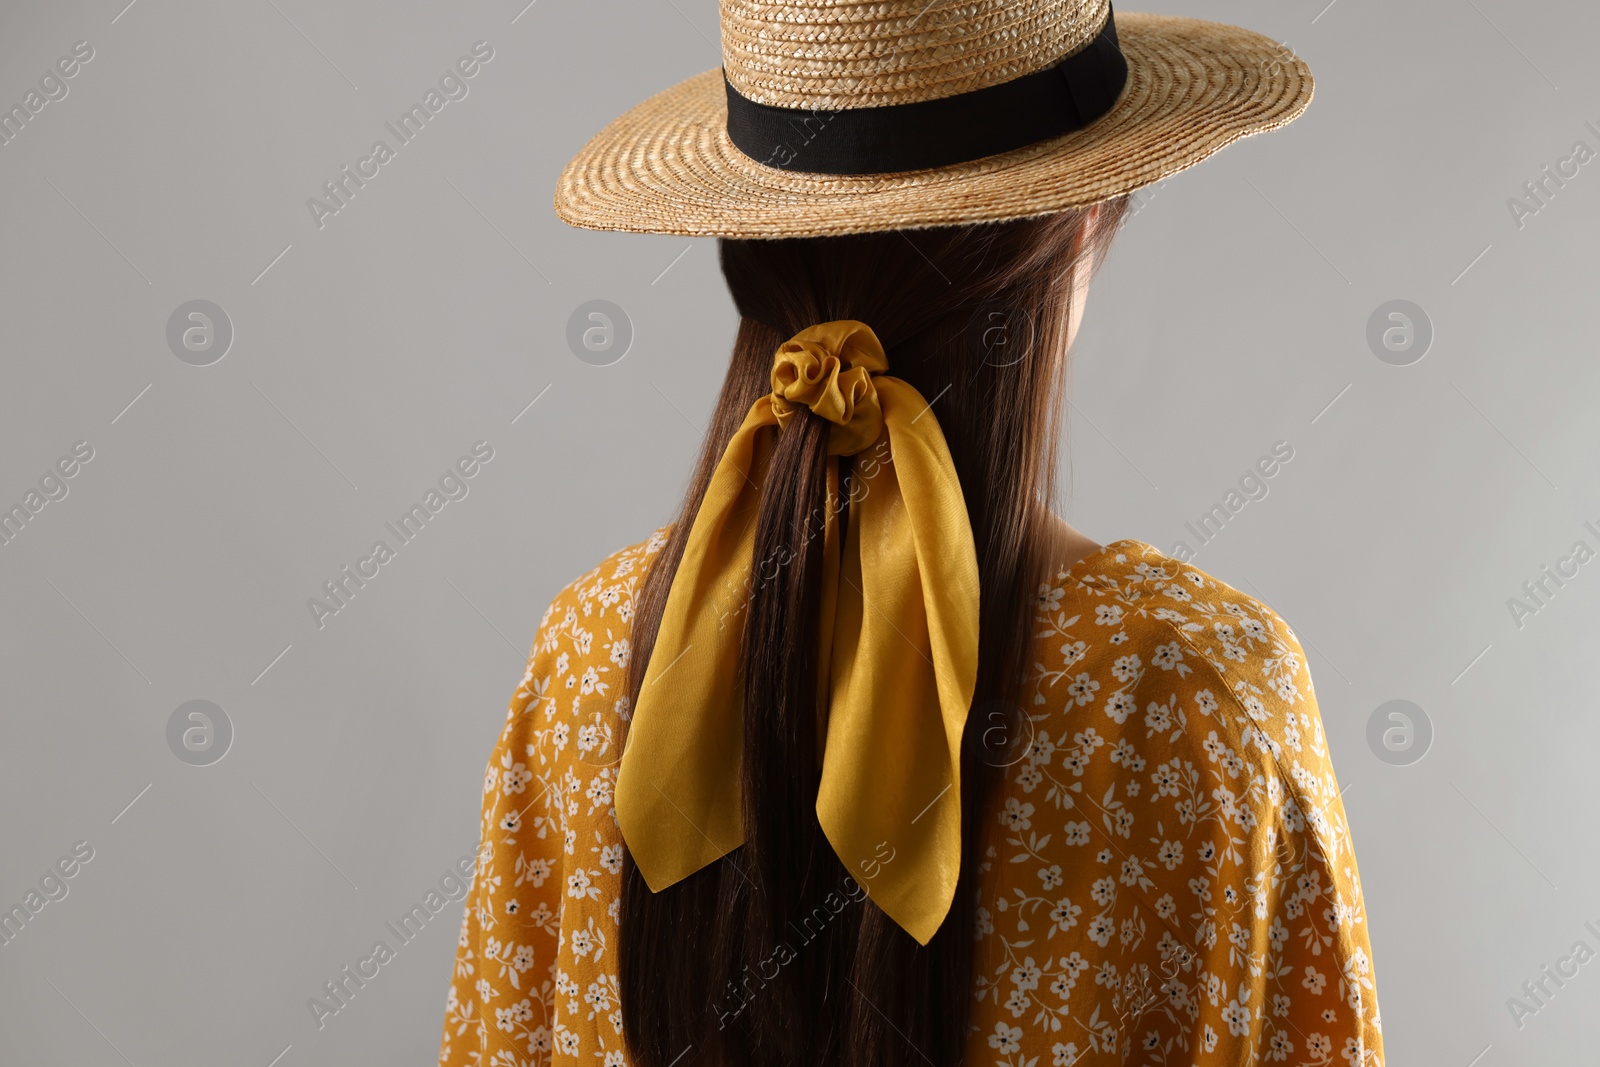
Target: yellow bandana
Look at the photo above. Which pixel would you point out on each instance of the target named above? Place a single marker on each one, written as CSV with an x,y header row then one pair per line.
x,y
898,651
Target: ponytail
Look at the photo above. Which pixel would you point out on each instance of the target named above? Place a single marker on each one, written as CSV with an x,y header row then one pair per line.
x,y
773,954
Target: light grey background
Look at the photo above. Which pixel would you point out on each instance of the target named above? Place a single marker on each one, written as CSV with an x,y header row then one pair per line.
x,y
425,316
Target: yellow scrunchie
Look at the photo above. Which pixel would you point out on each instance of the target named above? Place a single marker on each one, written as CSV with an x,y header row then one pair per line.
x,y
898,651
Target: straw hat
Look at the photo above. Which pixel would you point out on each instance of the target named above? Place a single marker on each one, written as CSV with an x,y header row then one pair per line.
x,y
848,116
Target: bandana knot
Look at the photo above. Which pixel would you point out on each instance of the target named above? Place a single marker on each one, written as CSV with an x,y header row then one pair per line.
x,y
828,368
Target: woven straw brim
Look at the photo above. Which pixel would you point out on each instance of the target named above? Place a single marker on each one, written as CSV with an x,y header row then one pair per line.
x,y
667,166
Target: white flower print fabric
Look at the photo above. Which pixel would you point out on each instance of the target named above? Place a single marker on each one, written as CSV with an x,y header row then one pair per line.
x,y
1168,875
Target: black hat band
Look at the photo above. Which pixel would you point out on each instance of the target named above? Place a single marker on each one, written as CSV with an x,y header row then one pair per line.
x,y
1058,99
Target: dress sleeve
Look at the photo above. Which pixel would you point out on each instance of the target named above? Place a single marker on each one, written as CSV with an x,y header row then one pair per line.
x,y
1272,961
502,996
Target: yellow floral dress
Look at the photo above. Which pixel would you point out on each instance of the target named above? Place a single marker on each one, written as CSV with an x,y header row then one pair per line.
x,y
1168,876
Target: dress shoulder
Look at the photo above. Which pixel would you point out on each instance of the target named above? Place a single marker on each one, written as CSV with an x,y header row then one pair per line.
x,y
1173,825
1146,610
583,643
535,972
1240,662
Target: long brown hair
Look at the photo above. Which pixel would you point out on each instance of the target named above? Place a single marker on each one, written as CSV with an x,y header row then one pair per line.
x,y
770,955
